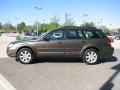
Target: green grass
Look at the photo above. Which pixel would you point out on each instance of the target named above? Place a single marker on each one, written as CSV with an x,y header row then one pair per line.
x,y
18,38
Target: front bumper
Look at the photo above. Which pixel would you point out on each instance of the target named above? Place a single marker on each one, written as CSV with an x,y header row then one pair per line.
x,y
11,52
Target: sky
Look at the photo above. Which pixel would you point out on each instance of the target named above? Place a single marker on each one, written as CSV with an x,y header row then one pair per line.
x,y
106,12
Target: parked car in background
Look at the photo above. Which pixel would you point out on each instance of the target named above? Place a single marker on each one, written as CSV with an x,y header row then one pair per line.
x,y
88,44
110,35
26,35
117,36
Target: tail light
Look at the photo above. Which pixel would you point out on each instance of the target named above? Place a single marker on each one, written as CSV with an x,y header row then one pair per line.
x,y
107,41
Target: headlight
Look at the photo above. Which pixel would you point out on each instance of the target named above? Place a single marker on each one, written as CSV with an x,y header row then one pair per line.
x,y
11,45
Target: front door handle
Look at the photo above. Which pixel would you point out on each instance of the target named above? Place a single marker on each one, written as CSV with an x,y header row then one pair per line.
x,y
59,42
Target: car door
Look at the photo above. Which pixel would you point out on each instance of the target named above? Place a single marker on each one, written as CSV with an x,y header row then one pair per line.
x,y
52,44
75,41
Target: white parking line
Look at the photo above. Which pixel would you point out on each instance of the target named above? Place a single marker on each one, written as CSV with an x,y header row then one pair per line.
x,y
4,84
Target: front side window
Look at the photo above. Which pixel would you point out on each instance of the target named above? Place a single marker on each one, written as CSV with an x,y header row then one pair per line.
x,y
56,35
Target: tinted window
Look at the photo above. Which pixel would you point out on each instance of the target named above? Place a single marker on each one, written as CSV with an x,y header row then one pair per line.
x,y
80,34
71,34
93,34
100,34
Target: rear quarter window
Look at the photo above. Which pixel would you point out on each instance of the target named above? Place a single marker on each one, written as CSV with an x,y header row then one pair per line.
x,y
80,34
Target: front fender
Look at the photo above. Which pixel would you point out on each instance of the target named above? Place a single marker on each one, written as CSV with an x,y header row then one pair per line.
x,y
26,46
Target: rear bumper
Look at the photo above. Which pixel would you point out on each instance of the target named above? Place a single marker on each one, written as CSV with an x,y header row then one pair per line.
x,y
108,50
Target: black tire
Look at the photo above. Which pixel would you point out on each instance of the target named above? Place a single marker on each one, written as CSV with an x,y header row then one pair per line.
x,y
25,60
91,56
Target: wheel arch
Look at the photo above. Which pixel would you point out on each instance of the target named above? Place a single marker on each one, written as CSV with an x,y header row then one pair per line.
x,y
90,47
32,49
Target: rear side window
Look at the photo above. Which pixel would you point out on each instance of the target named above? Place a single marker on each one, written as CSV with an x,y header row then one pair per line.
x,y
71,34
93,34
88,34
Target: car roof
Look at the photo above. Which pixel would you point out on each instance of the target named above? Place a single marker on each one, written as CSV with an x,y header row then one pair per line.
x,y
78,28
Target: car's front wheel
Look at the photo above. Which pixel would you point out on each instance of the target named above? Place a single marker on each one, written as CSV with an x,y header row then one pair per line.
x,y
25,56
91,56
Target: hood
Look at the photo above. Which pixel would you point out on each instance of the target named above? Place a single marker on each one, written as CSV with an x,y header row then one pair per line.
x,y
23,41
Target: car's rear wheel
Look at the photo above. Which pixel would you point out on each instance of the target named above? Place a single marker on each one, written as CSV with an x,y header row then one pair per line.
x,y
91,56
25,56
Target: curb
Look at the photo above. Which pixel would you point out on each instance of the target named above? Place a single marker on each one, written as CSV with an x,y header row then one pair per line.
x,y
4,83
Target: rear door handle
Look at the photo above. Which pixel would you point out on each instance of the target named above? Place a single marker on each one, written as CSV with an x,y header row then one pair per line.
x,y
83,41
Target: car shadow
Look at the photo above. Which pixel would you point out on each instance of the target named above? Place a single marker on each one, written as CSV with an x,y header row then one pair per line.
x,y
108,59
58,60
72,60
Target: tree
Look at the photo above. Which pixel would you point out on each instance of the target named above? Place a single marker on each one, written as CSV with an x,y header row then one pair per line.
x,y
41,27
44,27
7,27
53,24
88,25
118,30
35,26
105,29
55,19
0,25
68,21
21,26
30,28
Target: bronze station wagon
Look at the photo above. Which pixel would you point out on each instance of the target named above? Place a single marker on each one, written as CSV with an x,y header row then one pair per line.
x,y
88,44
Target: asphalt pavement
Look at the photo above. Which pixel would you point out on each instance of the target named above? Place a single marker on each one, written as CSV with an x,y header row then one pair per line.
x,y
59,73
63,74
